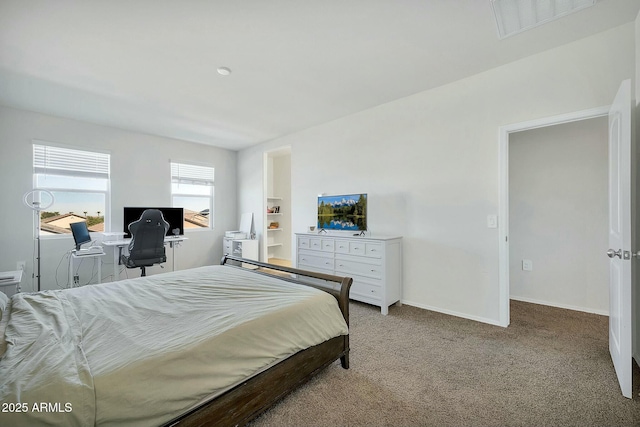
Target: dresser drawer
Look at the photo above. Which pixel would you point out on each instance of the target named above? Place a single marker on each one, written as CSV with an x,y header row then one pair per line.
x,y
315,244
366,292
342,246
373,250
303,243
316,269
313,259
226,246
328,245
346,266
357,248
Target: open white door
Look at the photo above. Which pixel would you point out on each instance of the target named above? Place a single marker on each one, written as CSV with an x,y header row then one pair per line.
x,y
620,236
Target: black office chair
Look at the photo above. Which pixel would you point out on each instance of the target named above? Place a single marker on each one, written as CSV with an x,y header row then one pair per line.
x,y
147,241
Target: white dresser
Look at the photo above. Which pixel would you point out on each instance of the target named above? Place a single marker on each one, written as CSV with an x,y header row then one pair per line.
x,y
374,264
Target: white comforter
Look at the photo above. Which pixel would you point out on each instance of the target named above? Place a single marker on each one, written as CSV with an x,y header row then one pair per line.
x,y
141,351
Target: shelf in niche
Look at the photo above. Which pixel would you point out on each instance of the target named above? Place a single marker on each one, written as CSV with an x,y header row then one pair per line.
x,y
274,198
271,245
274,229
274,213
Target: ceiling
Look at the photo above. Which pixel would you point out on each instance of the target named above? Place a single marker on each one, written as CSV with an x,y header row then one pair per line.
x,y
150,65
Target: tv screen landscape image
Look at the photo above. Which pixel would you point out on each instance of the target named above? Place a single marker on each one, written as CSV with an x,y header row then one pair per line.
x,y
345,212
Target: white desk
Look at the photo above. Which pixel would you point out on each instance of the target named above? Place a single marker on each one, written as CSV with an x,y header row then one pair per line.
x,y
117,246
14,280
73,258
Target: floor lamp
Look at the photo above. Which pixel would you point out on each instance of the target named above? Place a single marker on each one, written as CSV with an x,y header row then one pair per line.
x,y
33,200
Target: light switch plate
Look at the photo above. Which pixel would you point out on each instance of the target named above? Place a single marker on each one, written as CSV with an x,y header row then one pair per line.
x,y
492,221
527,265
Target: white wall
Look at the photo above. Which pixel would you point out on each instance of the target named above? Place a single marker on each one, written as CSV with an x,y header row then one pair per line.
x,y
429,163
140,176
558,216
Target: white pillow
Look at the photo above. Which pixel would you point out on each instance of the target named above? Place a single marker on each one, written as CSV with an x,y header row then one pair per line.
x,y
4,299
4,320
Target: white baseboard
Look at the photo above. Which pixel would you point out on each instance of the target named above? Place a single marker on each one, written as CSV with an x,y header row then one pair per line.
x,y
497,323
568,307
452,313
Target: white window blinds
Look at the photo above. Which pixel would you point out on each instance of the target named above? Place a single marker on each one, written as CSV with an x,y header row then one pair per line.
x,y
191,174
64,161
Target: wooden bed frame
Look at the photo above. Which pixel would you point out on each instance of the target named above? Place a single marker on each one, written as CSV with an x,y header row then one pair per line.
x,y
244,402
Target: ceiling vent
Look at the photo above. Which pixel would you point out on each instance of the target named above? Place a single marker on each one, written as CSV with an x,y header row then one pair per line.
x,y
516,16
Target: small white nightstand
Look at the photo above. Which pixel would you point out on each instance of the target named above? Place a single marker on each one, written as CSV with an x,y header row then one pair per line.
x,y
243,248
11,278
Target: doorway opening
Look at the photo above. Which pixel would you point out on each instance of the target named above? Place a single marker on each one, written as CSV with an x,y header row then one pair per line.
x,y
558,216
276,229
505,263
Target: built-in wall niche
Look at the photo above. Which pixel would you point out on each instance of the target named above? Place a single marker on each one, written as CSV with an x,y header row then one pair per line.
x,y
276,231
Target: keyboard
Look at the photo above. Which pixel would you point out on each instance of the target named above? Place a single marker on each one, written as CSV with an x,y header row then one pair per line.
x,y
93,250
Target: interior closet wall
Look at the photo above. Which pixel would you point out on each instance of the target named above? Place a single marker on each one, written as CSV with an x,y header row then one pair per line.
x,y
558,213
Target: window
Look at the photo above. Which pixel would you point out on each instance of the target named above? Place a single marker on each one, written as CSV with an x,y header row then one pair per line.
x,y
79,181
192,190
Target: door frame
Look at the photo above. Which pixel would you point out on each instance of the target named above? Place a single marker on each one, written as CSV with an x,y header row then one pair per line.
x,y
503,192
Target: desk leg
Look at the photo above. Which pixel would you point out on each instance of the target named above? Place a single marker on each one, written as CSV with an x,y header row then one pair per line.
x,y
70,272
99,269
173,255
117,250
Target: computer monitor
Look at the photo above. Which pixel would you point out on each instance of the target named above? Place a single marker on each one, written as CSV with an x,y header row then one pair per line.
x,y
174,216
80,233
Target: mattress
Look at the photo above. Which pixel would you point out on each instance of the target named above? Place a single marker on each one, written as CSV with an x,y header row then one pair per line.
x,y
141,351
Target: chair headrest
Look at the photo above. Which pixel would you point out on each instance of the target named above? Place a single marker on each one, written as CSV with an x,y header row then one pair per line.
x,y
151,214
152,217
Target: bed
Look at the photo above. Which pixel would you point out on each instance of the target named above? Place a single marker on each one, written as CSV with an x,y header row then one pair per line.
x,y
214,345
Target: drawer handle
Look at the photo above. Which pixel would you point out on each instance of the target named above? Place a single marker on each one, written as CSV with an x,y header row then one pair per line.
x,y
356,248
373,250
341,247
372,270
326,263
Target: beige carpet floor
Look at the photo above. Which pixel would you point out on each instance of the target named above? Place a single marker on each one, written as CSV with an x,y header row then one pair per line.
x,y
550,367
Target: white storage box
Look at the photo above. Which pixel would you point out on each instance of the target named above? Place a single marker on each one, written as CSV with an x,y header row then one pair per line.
x,y
113,236
235,234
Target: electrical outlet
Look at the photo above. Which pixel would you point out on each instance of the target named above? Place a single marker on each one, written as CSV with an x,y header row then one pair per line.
x,y
21,265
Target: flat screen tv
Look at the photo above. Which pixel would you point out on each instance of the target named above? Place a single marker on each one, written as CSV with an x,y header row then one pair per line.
x,y
345,212
80,233
174,216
